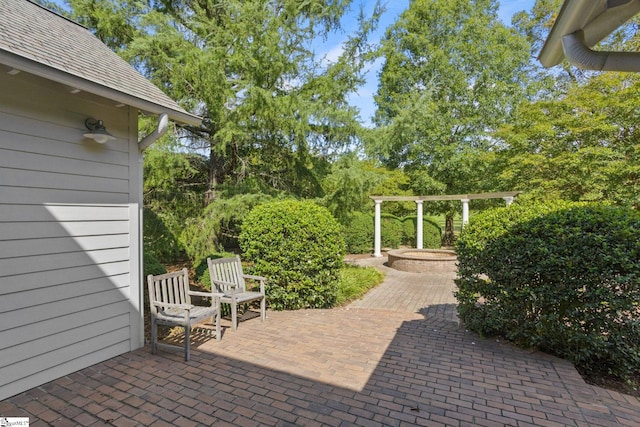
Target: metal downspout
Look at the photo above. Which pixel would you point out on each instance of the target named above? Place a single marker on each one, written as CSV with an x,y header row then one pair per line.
x,y
579,54
163,125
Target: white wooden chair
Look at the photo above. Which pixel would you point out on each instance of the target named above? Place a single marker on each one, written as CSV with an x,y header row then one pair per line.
x,y
170,304
228,280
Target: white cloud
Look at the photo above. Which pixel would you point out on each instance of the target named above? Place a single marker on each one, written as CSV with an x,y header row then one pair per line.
x,y
332,55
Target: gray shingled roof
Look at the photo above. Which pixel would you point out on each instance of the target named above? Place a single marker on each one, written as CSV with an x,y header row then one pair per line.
x,y
38,41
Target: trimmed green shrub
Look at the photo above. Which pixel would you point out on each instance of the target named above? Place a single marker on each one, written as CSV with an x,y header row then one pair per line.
x,y
431,232
299,247
150,265
358,235
474,263
562,277
408,230
391,232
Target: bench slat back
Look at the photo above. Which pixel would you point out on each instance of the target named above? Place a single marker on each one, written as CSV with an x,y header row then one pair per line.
x,y
227,270
171,288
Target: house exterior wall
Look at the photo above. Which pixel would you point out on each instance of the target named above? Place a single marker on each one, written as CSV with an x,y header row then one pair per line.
x,y
70,233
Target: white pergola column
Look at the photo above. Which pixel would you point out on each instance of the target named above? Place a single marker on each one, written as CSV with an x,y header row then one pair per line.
x,y
508,200
377,237
465,211
419,225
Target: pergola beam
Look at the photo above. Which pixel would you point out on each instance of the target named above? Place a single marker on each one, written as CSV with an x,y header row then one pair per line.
x,y
446,197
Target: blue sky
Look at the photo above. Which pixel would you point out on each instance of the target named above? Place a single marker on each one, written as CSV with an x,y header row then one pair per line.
x,y
363,100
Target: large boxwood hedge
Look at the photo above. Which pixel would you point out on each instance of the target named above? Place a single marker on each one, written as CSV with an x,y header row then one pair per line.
x,y
562,277
431,232
359,234
299,247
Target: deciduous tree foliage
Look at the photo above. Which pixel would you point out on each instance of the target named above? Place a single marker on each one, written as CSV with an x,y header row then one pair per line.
x,y
452,72
585,146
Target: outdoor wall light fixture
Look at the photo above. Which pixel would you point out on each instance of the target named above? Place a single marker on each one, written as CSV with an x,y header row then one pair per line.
x,y
97,131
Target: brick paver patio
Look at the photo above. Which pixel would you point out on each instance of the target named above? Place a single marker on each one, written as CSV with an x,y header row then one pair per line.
x,y
395,358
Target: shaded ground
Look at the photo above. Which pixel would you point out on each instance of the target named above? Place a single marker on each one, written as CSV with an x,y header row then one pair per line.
x,y
631,388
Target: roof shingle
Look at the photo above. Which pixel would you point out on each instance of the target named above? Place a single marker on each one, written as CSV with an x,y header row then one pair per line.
x,y
47,39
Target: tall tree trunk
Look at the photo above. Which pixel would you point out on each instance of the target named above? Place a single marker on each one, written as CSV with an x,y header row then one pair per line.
x,y
449,237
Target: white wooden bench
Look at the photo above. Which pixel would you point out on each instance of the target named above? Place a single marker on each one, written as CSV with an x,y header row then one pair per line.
x,y
228,280
170,304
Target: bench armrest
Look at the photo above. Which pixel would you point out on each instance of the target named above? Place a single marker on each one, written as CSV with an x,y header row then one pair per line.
x,y
215,297
260,279
206,294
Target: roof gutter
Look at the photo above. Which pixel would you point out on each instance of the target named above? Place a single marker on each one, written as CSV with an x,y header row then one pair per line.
x,y
163,125
580,25
579,54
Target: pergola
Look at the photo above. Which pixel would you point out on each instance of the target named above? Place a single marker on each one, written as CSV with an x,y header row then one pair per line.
x,y
508,197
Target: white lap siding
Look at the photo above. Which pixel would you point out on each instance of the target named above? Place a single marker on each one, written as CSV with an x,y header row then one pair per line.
x,y
69,233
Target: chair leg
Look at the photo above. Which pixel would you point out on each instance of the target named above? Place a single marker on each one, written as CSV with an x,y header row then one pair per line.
x,y
263,308
218,335
216,304
154,336
234,316
187,332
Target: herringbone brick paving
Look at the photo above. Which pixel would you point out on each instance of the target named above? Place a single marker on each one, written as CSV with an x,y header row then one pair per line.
x,y
375,363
